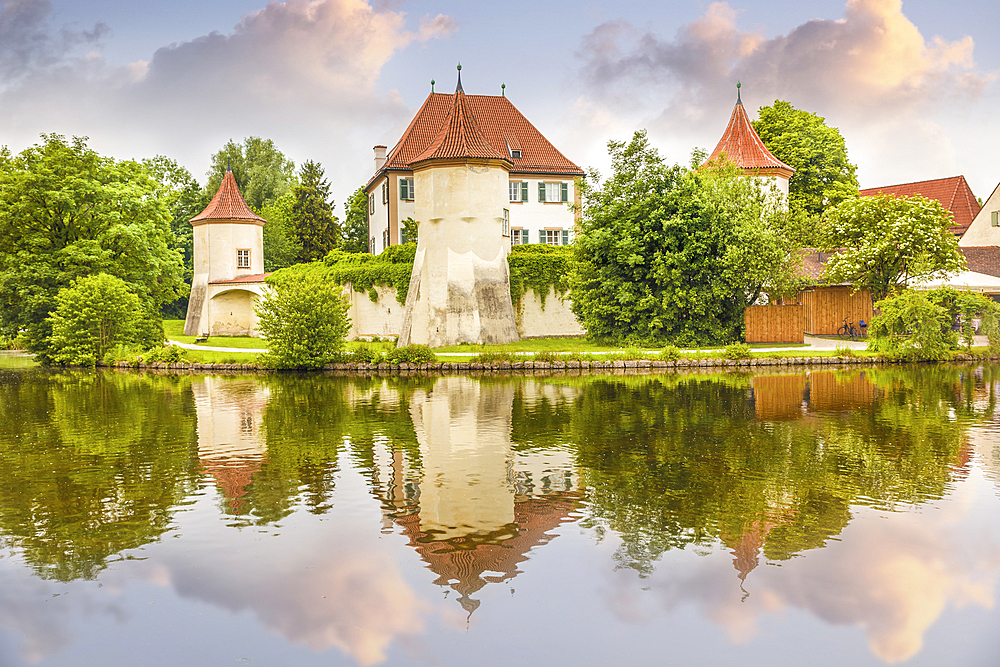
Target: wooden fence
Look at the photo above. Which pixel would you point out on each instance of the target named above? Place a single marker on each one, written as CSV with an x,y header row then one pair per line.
x,y
774,324
826,308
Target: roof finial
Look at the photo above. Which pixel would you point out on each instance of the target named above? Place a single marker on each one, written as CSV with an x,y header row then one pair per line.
x,y
738,100
503,90
459,88
432,85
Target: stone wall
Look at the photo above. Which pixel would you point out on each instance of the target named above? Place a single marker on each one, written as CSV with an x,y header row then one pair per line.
x,y
384,318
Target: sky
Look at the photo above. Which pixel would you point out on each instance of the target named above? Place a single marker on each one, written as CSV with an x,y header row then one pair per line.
x,y
912,85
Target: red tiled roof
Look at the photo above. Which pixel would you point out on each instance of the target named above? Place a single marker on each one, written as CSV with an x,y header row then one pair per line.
x,y
743,147
255,278
227,204
500,125
459,137
954,194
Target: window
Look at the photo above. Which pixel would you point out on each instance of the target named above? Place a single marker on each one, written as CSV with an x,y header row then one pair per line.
x,y
995,218
553,236
515,154
242,259
406,189
553,192
506,223
518,190
371,204
519,237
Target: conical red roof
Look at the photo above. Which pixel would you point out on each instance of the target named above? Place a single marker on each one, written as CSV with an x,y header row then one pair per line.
x,y
228,204
743,147
459,136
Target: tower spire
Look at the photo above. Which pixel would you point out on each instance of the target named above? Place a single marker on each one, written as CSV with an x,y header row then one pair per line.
x,y
738,100
458,88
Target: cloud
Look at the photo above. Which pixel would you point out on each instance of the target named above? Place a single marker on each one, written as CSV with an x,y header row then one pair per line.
x,y
871,72
871,58
27,44
303,73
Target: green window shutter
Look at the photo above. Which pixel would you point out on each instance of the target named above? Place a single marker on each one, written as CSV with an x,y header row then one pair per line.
x,y
402,188
524,236
565,232
995,218
541,191
565,193
541,236
524,190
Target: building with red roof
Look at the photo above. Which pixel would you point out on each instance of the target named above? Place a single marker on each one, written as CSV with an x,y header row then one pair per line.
x,y
741,146
228,265
542,182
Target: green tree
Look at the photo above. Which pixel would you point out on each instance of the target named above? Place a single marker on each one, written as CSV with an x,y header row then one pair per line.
x,y
356,223
885,243
305,322
91,317
281,246
184,199
316,226
666,254
66,213
802,140
262,172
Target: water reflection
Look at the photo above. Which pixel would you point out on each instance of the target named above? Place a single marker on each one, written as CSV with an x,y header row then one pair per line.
x,y
347,506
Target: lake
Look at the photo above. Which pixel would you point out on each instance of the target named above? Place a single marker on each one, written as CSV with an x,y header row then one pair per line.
x,y
822,518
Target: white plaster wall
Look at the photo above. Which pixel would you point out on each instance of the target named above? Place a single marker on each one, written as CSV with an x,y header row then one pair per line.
x,y
215,246
534,215
382,318
556,319
231,312
982,232
378,221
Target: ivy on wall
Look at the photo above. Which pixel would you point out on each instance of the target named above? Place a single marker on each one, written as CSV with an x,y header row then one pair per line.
x,y
540,268
364,272
535,266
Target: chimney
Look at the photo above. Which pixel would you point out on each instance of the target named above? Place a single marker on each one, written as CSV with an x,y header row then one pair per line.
x,y
379,157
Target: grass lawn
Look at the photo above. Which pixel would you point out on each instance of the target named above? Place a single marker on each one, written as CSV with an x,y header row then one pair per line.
x,y
175,331
568,345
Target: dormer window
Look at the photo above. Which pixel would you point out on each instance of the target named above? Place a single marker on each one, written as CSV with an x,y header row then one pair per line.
x,y
515,154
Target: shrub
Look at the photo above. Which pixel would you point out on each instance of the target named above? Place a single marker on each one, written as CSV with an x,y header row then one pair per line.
x,y
911,327
366,354
670,353
305,322
736,351
411,354
91,317
844,351
169,354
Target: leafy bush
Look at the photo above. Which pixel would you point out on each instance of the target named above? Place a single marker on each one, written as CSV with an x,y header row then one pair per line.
x,y
366,354
411,354
911,327
736,351
304,320
670,353
169,354
92,317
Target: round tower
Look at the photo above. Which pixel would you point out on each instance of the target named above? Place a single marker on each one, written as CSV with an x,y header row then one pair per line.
x,y
460,285
228,265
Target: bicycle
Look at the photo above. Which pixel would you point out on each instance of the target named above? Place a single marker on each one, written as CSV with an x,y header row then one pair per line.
x,y
849,330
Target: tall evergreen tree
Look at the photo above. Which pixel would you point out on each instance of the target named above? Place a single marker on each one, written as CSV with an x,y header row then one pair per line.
x,y
317,228
356,223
